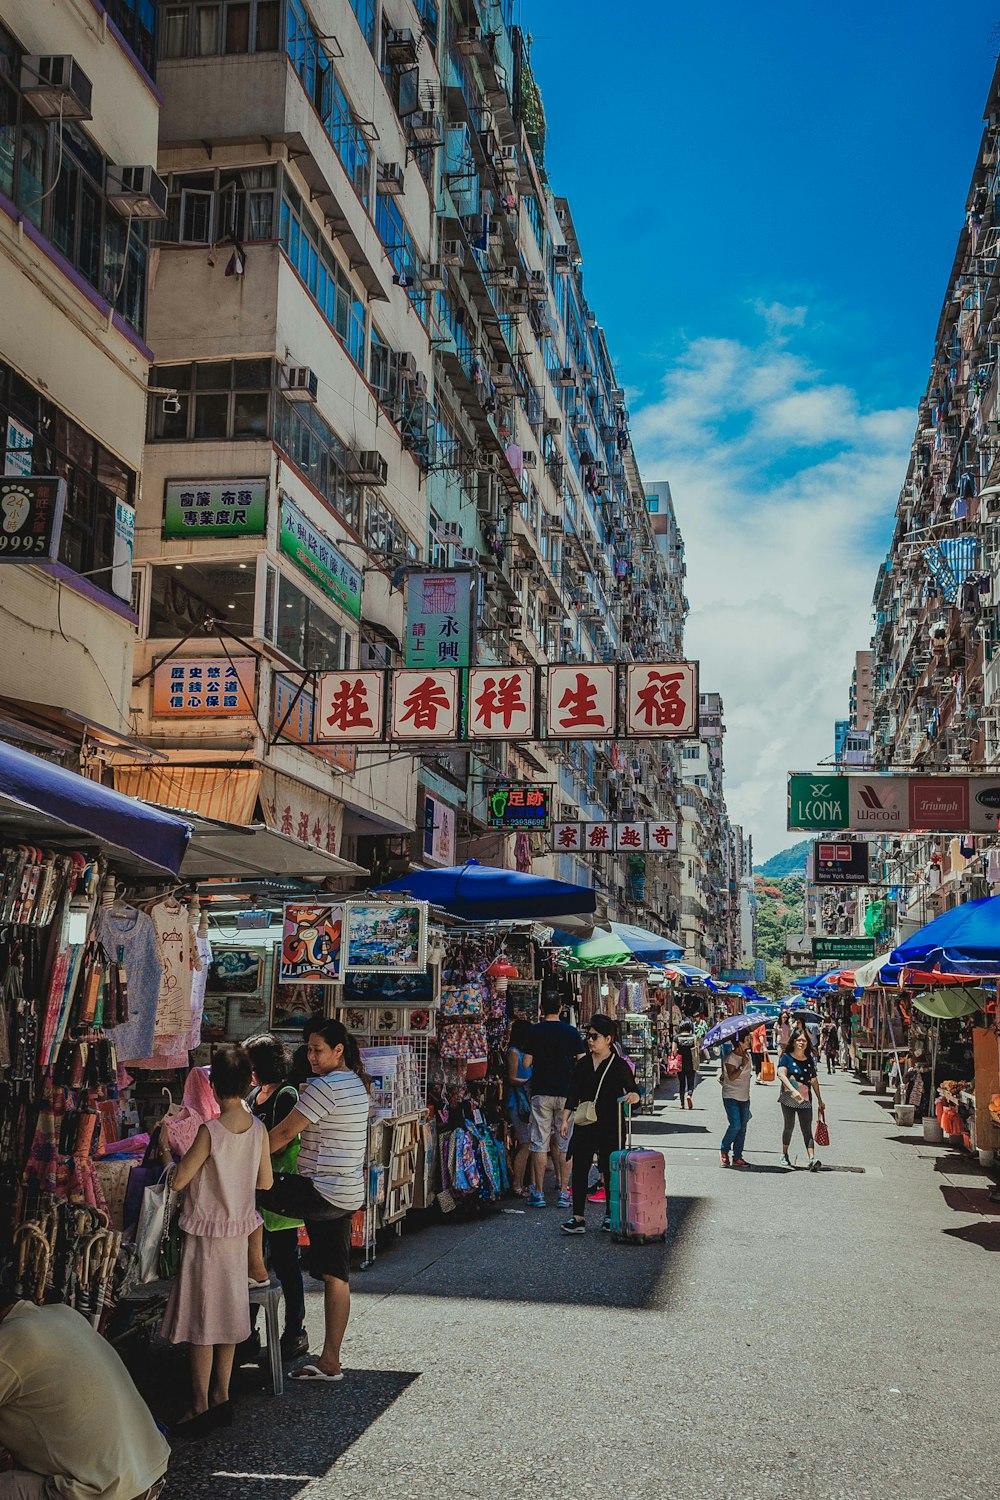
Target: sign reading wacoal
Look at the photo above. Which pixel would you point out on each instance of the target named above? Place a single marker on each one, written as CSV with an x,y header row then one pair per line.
x,y
879,802
818,802
214,507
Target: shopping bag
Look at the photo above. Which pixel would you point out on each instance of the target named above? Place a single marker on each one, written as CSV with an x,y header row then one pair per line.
x,y
767,1069
821,1132
674,1064
154,1224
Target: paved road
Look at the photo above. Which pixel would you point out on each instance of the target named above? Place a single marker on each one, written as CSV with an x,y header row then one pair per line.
x,y
827,1336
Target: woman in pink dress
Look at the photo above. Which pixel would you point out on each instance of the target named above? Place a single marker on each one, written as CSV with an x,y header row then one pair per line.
x,y
209,1305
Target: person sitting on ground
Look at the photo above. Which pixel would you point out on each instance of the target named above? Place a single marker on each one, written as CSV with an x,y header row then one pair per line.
x,y
69,1413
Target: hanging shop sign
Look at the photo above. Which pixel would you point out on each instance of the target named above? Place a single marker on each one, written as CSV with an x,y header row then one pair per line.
x,y
439,620
845,950
293,717
818,802
600,838
311,943
313,551
18,449
386,937
205,687
124,547
439,832
500,702
302,812
736,976
661,698
518,807
214,507
886,804
840,864
31,516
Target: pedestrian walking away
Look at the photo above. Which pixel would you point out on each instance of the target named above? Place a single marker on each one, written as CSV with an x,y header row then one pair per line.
x,y
518,1101
600,1082
736,1075
686,1042
799,1081
555,1048
831,1046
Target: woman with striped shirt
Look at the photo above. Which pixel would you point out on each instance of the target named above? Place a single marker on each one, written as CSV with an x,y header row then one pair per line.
x,y
332,1119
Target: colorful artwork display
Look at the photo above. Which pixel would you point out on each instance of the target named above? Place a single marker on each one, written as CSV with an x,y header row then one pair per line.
x,y
386,936
312,944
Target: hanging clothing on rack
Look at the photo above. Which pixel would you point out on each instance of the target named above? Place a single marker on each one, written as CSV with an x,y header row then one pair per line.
x,y
178,950
129,934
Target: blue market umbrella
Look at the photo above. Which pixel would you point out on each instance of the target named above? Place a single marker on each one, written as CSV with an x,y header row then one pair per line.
x,y
685,971
642,943
480,891
730,1027
965,940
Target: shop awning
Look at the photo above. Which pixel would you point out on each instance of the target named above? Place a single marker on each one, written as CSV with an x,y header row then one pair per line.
x,y
46,804
225,792
222,849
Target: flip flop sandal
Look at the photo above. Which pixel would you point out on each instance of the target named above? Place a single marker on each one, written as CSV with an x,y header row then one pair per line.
x,y
313,1372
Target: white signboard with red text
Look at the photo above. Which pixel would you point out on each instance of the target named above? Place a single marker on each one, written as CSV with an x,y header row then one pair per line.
x,y
582,702
424,705
661,698
501,703
349,706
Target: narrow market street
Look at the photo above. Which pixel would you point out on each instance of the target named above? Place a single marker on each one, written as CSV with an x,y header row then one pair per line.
x,y
799,1335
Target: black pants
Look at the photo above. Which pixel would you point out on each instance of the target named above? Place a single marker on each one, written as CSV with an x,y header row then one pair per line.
x,y
281,1246
757,1060
585,1145
831,1062
685,1078
805,1119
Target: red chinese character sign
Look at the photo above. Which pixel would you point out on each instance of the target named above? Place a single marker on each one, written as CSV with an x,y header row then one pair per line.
x,y
662,837
349,706
567,837
662,699
424,705
501,702
630,837
581,702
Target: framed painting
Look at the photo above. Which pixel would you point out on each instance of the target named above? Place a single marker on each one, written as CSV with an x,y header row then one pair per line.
x,y
235,971
391,989
386,937
292,1005
311,943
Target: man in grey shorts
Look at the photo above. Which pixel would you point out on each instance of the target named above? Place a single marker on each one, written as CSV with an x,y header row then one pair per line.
x,y
555,1048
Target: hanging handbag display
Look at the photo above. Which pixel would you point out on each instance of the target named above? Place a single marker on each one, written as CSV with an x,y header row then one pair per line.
x,y
674,1064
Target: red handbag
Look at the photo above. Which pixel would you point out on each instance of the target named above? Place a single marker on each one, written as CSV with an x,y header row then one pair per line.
x,y
674,1064
821,1132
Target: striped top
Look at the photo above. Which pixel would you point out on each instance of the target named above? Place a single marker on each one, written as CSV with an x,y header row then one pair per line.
x,y
332,1153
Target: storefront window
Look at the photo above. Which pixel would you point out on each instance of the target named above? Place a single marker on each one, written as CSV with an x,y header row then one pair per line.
x,y
219,399
306,633
184,596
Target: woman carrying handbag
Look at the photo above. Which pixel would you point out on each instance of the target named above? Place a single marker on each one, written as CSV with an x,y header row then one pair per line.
x,y
799,1080
600,1080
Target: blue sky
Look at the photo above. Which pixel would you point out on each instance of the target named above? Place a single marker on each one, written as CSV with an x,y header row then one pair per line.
x,y
768,198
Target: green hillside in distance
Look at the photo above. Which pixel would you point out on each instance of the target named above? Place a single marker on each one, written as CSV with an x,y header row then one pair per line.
x,y
786,862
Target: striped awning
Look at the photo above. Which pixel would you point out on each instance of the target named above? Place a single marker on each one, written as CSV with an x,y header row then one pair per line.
x,y
228,793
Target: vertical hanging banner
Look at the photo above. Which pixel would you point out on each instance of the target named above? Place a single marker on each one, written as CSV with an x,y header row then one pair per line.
x,y
439,620
349,706
424,705
661,699
581,702
501,702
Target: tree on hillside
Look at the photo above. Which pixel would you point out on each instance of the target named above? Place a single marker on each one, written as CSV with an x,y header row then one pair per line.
x,y
777,981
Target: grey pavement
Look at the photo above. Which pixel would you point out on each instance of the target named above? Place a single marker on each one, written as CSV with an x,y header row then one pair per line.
x,y
831,1336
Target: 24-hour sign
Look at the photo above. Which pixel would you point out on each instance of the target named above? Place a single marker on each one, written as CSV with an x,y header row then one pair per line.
x,y
31,514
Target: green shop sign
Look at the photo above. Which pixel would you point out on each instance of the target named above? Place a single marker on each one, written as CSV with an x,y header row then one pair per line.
x,y
846,950
316,555
818,802
214,507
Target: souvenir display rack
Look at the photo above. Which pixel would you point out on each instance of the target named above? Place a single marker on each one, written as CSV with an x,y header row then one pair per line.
x,y
639,1043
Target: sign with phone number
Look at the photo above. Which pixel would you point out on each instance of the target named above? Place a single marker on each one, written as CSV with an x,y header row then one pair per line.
x,y
31,514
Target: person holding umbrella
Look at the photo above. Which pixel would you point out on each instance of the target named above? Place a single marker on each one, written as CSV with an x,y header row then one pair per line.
x,y
798,1079
735,1076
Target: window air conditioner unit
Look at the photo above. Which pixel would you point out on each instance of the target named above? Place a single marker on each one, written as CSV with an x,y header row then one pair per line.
x,y
299,383
425,128
516,633
489,143
420,383
434,276
503,377
518,302
375,655
401,49
390,179
552,523
467,555
537,288
476,225
508,159
553,426
565,632
529,459
448,532
137,191
452,253
367,467
488,463
406,365
560,259
56,87
564,377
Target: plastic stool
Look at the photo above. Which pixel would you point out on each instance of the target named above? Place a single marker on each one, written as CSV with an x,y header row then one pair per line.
x,y
268,1297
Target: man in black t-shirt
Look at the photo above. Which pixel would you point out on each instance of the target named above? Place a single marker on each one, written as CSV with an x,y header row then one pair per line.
x,y
555,1048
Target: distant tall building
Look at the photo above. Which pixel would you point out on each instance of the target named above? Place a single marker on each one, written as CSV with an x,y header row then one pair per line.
x,y
861,691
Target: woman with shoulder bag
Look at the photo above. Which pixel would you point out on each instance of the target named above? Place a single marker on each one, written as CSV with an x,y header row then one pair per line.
x,y
798,1079
273,1098
600,1080
518,1101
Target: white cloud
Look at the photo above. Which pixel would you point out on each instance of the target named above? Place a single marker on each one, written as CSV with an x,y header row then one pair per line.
x,y
779,317
780,478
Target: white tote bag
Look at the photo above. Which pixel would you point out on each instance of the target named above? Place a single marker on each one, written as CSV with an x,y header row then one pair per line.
x,y
152,1226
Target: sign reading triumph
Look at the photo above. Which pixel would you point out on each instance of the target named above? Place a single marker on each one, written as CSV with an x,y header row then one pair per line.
x,y
863,803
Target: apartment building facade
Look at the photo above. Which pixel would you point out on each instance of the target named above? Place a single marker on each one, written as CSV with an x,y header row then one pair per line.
x,y
374,362
78,138
713,855
936,665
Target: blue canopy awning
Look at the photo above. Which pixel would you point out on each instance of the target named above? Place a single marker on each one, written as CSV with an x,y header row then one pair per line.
x,y
473,890
48,804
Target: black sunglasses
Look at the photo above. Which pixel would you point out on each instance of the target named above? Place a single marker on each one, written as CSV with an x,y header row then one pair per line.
x,y
593,1036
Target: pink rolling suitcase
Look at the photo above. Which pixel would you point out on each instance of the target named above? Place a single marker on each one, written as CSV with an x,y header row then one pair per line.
x,y
638,1198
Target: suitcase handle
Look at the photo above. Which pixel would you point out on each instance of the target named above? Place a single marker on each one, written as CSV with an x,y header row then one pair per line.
x,y
625,1117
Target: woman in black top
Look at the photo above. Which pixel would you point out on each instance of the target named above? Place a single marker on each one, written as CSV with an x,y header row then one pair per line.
x,y
271,1100
603,1077
798,1081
